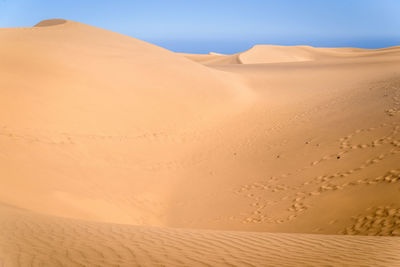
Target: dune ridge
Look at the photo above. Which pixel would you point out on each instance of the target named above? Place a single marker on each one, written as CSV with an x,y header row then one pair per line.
x,y
263,54
113,150
50,22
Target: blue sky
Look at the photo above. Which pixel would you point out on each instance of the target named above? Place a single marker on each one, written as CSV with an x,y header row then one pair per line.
x,y
225,26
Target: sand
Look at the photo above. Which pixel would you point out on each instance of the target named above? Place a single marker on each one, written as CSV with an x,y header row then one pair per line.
x,y
113,151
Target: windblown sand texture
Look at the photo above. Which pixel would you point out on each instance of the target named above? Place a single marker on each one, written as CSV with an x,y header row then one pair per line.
x,y
113,150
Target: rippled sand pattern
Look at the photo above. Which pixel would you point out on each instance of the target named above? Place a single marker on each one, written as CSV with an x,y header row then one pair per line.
x,y
35,240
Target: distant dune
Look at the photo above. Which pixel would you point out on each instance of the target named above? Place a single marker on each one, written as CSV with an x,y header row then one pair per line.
x,y
51,22
262,54
112,150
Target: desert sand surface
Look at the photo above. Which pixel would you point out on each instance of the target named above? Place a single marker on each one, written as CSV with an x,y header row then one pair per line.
x,y
29,239
117,152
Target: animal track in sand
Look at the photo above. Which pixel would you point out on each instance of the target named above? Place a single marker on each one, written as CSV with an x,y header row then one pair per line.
x,y
347,145
300,200
53,138
300,196
376,221
396,103
56,138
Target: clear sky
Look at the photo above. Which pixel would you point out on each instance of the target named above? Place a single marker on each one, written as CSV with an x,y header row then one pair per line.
x,y
225,26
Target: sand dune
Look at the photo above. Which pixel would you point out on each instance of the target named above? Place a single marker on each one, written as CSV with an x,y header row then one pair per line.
x,y
106,142
276,54
262,54
82,85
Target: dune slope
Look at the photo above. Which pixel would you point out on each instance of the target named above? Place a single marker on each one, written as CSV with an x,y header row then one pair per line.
x,y
101,114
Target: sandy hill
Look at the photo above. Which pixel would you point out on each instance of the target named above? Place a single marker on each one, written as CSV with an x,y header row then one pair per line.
x,y
107,141
129,102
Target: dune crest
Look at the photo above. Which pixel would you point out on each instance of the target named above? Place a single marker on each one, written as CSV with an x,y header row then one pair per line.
x,y
270,54
50,22
274,54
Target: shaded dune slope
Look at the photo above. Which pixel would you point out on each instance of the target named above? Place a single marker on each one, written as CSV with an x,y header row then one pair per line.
x,y
70,81
50,22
